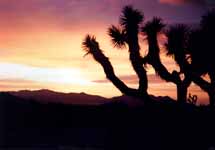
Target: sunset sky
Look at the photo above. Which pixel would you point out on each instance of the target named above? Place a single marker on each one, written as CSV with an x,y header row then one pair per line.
x,y
40,43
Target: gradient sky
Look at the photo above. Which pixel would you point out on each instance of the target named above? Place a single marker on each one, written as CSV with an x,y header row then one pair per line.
x,y
40,43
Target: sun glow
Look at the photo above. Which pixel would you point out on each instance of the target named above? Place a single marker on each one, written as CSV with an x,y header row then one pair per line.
x,y
47,75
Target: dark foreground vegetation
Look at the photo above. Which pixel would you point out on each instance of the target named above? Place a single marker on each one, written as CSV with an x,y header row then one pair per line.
x,y
162,124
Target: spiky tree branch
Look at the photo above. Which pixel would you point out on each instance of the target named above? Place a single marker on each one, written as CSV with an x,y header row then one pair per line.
x,y
91,46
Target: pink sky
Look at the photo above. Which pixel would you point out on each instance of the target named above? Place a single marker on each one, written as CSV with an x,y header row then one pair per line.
x,y
41,43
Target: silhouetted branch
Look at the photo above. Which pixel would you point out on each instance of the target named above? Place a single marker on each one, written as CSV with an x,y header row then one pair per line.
x,y
91,46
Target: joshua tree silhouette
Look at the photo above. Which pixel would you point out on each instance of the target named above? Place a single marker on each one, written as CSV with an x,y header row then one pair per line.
x,y
175,47
184,44
201,47
127,33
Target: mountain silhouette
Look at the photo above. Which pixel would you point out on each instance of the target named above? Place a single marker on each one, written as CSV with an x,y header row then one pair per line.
x,y
47,96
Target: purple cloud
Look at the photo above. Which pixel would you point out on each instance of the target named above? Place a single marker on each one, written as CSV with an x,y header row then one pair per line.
x,y
74,13
181,2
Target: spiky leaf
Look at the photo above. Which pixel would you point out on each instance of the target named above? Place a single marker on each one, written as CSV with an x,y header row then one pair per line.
x,y
90,45
154,26
177,39
130,17
118,36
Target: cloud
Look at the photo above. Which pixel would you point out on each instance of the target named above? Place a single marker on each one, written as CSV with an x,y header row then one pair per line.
x,y
132,79
28,14
181,2
8,84
70,13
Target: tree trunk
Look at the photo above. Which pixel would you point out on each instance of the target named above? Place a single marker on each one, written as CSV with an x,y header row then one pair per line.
x,y
136,59
181,93
140,71
211,99
212,93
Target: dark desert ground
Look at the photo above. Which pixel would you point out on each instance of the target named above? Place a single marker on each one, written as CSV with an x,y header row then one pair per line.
x,y
119,123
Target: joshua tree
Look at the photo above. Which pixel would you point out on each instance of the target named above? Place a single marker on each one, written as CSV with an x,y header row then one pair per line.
x,y
127,34
208,29
201,64
175,46
201,47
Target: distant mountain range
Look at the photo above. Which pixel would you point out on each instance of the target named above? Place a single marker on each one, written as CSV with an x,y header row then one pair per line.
x,y
48,96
